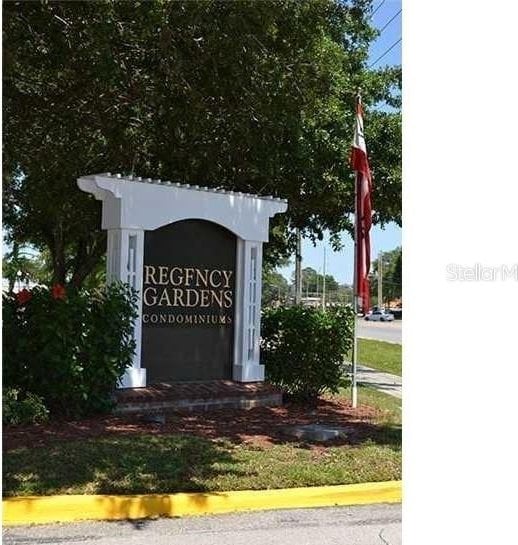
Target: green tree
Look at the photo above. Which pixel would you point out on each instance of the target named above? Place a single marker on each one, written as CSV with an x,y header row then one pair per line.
x,y
25,266
251,96
275,287
313,281
396,277
392,281
344,294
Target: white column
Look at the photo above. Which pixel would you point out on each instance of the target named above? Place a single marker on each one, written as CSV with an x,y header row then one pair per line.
x,y
246,366
124,263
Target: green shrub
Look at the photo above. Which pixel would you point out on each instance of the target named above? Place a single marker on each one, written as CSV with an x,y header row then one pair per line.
x,y
303,348
69,347
18,409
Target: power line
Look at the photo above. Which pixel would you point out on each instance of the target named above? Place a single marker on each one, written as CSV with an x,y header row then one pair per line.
x,y
382,2
390,21
387,51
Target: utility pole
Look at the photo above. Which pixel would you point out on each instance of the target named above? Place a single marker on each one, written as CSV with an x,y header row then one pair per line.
x,y
324,283
380,280
298,269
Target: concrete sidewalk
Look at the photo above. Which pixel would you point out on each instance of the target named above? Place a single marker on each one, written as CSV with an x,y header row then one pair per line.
x,y
385,382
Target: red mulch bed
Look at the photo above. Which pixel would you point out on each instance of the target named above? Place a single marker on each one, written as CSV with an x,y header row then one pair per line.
x,y
261,425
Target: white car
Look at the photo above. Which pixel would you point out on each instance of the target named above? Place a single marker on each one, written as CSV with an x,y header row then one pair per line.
x,y
379,316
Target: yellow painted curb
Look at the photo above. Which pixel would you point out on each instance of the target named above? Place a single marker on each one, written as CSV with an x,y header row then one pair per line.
x,y
67,508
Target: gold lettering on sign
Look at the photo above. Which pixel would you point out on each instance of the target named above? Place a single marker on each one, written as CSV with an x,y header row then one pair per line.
x,y
179,276
227,295
217,297
162,274
149,272
192,298
227,275
185,288
178,298
202,278
164,299
205,302
211,278
149,302
189,272
195,319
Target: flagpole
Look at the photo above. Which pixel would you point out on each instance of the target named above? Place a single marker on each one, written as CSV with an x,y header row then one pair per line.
x,y
362,225
354,387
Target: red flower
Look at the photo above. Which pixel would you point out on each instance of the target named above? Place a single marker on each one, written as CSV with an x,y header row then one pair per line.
x,y
23,296
58,291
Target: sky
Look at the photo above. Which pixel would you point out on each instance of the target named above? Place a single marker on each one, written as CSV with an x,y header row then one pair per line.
x,y
340,264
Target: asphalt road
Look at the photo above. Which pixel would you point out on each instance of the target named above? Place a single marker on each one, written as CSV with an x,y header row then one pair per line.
x,y
382,331
359,525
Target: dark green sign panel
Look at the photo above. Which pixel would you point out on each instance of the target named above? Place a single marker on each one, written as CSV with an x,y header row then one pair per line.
x,y
188,302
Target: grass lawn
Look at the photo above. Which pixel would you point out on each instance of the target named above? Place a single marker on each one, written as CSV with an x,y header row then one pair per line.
x,y
380,355
174,462
389,406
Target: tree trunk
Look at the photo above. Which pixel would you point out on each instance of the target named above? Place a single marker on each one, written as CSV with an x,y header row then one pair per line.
x,y
57,250
86,262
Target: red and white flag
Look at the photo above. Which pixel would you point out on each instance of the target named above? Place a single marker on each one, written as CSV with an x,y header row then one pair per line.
x,y
360,164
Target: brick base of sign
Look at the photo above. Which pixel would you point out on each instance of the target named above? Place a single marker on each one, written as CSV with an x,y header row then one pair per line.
x,y
200,396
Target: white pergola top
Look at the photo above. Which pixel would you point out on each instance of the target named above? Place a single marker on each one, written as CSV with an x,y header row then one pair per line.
x,y
131,202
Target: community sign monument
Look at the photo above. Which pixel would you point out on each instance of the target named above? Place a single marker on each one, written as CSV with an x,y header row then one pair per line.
x,y
194,256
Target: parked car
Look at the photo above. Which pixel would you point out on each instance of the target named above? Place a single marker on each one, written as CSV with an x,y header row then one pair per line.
x,y
379,316
397,313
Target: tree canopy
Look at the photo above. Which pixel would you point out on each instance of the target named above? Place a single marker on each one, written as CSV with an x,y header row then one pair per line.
x,y
313,281
251,96
275,287
392,276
